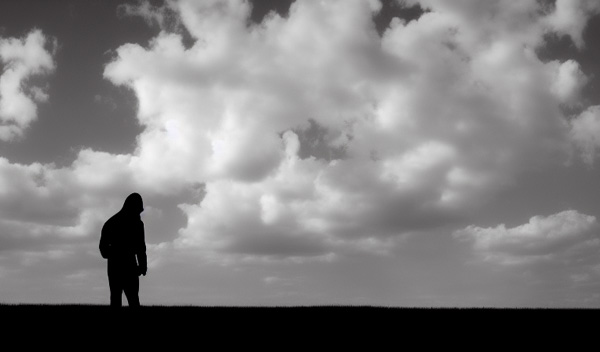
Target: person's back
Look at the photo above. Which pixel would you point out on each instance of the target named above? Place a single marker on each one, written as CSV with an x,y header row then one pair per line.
x,y
122,243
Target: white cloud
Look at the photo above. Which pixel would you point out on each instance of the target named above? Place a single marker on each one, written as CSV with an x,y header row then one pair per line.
x,y
22,59
585,133
569,81
542,238
20,183
433,118
571,16
44,203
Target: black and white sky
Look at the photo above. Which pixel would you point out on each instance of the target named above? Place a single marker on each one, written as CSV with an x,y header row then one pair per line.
x,y
384,152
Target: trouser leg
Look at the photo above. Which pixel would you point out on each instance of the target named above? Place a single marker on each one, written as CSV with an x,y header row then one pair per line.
x,y
132,288
116,290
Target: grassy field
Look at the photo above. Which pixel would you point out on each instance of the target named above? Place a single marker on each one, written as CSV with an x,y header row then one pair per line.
x,y
243,327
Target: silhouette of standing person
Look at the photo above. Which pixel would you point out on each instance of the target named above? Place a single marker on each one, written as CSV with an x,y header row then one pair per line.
x,y
122,242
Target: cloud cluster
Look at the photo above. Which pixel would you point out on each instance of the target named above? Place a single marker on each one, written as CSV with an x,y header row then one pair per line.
x,y
542,238
432,117
43,203
21,60
417,126
52,217
570,18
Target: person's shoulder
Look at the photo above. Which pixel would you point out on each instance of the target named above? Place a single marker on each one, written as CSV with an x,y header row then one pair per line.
x,y
112,219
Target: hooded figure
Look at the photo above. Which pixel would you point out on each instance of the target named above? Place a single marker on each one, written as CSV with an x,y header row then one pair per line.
x,y
122,242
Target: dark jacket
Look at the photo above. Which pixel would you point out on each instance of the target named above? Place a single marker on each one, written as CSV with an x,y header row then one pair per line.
x,y
122,240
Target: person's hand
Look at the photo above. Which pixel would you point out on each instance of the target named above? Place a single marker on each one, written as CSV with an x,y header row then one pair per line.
x,y
142,271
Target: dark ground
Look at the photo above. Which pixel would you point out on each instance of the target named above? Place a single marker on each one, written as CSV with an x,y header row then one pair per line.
x,y
294,328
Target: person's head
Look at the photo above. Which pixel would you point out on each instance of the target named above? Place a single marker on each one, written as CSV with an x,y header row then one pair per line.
x,y
133,204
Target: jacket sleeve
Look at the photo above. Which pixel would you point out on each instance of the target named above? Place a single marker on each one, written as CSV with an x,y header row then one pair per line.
x,y
141,250
105,241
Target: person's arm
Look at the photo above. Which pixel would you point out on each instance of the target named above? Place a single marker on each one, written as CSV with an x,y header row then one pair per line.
x,y
141,252
105,241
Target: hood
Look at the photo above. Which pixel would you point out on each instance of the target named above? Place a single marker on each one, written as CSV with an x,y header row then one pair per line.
x,y
133,204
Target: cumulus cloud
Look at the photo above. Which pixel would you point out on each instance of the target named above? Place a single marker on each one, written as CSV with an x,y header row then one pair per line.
x,y
432,117
417,126
570,18
543,238
569,82
42,206
22,58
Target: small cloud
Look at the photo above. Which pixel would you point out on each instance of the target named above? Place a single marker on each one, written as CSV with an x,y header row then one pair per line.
x,y
105,101
585,133
79,275
271,279
274,280
163,16
39,94
542,238
22,59
580,278
32,258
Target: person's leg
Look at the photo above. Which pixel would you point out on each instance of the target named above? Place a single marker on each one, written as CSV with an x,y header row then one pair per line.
x,y
115,284
132,289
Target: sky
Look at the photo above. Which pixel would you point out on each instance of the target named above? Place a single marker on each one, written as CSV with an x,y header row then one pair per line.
x,y
406,153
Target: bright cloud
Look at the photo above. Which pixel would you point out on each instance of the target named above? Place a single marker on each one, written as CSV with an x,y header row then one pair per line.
x,y
433,117
570,18
428,121
569,82
542,238
22,59
45,203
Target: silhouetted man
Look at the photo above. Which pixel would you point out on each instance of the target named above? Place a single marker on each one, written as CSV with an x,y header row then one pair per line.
x,y
122,243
